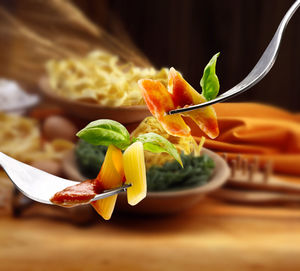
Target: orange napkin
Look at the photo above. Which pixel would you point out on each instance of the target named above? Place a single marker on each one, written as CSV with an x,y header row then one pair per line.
x,y
256,130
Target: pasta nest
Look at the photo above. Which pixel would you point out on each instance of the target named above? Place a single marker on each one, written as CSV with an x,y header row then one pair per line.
x,y
182,144
100,78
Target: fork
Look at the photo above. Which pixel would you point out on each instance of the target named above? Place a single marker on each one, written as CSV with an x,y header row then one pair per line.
x,y
259,71
39,185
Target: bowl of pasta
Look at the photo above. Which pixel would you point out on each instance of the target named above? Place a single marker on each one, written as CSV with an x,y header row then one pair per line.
x,y
98,86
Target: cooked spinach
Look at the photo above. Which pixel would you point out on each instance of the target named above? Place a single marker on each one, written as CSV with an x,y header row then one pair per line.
x,y
89,158
170,176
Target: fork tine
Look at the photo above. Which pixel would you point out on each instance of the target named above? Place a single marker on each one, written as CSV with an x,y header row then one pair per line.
x,y
111,192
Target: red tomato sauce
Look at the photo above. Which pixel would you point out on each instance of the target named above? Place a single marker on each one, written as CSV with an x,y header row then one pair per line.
x,y
180,96
77,194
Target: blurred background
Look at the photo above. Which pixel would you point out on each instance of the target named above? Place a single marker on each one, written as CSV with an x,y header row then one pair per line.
x,y
185,34
252,222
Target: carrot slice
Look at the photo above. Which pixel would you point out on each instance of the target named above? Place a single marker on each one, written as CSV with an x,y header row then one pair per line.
x,y
110,176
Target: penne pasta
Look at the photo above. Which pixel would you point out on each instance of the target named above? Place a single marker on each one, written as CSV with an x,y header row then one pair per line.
x,y
111,175
135,173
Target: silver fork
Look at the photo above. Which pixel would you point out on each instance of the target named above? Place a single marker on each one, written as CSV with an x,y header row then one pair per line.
x,y
262,67
39,185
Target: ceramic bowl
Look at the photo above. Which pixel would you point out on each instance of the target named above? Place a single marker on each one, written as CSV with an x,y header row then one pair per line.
x,y
165,202
89,111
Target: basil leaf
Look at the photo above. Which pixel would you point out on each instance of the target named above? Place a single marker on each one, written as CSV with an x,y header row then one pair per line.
x,y
156,143
209,81
105,132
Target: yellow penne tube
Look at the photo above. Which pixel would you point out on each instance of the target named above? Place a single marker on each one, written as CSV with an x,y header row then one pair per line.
x,y
112,172
105,207
110,176
135,173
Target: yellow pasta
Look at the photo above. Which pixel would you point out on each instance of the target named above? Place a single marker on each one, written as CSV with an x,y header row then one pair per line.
x,y
20,138
100,78
106,206
182,144
135,173
110,176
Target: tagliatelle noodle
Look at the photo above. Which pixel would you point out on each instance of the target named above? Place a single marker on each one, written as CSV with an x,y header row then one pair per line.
x,y
20,138
100,78
182,144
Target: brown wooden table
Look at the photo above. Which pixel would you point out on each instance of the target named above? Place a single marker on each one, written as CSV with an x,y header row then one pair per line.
x,y
212,236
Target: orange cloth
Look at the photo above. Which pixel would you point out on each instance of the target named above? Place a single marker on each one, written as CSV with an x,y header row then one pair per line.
x,y
259,130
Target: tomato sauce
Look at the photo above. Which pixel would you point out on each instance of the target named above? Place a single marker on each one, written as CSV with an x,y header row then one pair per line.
x,y
77,194
180,96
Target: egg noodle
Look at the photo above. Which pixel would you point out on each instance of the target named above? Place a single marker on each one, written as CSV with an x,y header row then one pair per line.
x,y
182,144
20,138
100,78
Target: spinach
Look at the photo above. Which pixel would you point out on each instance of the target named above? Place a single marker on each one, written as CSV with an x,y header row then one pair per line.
x,y
89,158
105,132
170,176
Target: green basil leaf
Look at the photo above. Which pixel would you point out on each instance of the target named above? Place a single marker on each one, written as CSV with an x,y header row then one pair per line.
x,y
209,81
105,132
156,143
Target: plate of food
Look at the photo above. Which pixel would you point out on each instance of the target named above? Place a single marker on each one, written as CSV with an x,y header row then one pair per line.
x,y
170,188
98,86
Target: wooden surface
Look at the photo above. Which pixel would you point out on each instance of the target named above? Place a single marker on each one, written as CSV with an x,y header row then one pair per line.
x,y
212,236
